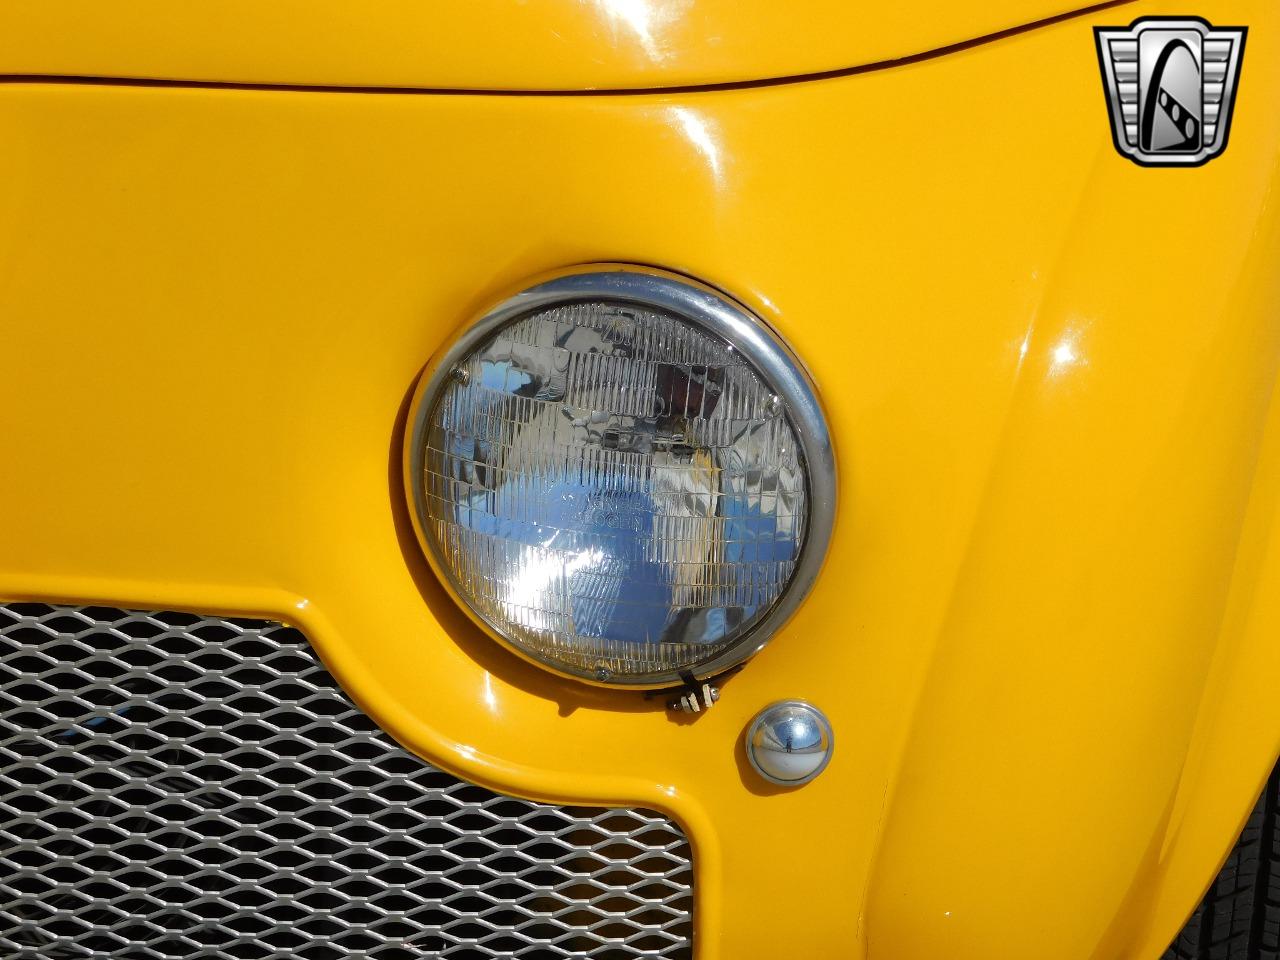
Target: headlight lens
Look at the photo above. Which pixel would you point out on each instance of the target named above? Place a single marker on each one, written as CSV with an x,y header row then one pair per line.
x,y
624,476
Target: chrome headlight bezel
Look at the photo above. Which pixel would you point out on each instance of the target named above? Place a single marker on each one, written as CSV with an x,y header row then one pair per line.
x,y
712,312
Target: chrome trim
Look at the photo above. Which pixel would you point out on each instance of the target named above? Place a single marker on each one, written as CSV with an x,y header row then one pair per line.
x,y
713,312
790,742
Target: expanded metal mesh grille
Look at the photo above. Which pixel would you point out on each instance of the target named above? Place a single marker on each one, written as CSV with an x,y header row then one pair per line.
x,y
183,786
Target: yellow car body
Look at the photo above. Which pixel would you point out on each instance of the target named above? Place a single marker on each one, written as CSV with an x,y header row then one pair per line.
x,y
232,235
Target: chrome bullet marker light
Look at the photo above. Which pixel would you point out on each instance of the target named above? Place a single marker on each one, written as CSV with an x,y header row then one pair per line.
x,y
790,743
624,476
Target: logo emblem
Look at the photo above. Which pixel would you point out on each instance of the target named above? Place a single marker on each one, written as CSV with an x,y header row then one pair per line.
x,y
1171,84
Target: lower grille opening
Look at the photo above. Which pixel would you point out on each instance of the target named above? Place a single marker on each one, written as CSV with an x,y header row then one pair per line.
x,y
174,785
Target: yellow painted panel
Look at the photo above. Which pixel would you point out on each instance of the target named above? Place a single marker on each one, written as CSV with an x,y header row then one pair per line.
x,y
486,44
1045,631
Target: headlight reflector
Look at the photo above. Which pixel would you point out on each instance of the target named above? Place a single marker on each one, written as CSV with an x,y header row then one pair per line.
x,y
623,475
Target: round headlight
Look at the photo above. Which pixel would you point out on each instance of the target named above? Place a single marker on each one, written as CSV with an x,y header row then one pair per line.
x,y
625,476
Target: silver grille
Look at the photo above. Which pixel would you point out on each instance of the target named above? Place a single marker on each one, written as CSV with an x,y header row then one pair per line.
x,y
183,786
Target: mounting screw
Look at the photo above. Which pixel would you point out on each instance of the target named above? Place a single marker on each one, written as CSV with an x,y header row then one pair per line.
x,y
696,700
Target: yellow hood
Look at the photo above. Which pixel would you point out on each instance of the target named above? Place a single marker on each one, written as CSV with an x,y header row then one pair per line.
x,y
547,45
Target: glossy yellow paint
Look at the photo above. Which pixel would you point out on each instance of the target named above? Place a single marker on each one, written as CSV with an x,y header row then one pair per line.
x,y
1045,634
485,44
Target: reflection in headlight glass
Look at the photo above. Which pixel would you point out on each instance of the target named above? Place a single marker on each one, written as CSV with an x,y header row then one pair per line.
x,y
613,490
